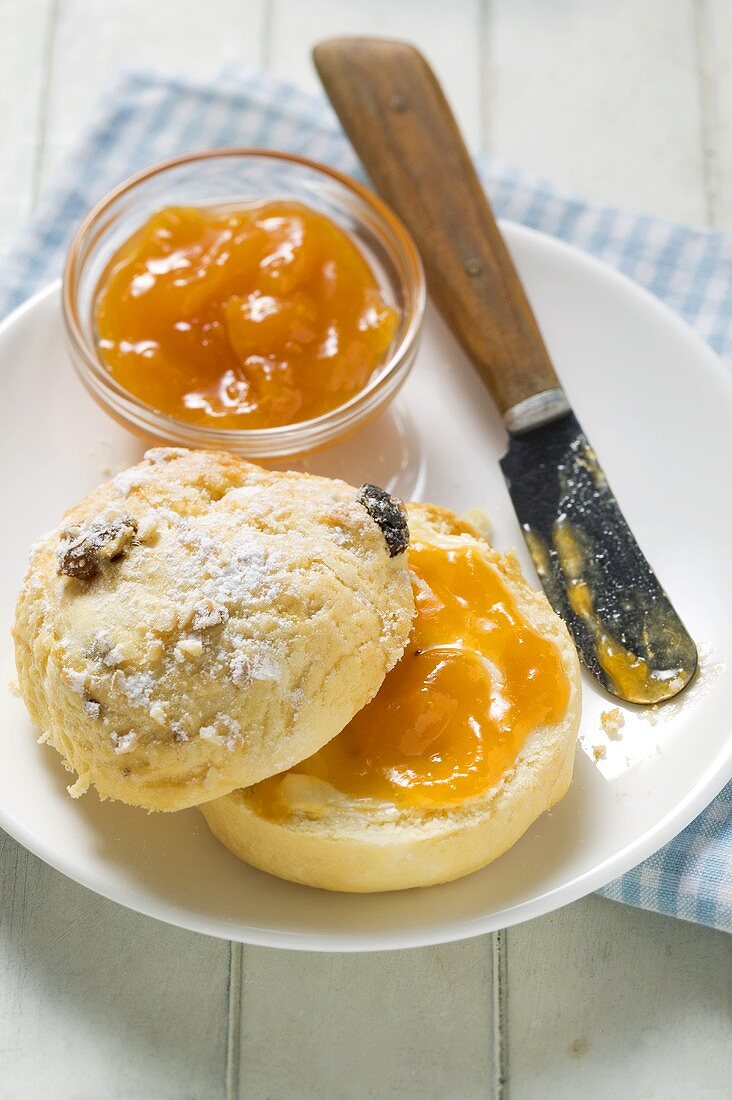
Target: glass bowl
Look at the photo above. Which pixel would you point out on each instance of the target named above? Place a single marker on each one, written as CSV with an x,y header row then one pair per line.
x,y
217,177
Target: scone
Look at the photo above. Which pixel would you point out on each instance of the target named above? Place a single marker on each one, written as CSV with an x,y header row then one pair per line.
x,y
471,737
199,623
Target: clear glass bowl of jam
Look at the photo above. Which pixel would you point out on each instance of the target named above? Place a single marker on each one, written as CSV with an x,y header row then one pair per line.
x,y
242,299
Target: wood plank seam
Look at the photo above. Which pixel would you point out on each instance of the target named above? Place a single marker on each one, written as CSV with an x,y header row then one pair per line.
x,y
44,99
499,982
707,109
233,1029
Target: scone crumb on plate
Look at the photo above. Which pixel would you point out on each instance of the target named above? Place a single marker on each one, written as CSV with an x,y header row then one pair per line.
x,y
612,721
599,752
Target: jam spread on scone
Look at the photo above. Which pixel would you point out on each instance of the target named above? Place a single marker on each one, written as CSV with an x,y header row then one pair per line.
x,y
454,713
252,316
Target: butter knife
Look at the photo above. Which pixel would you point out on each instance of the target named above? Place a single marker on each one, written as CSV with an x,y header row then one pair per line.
x,y
594,573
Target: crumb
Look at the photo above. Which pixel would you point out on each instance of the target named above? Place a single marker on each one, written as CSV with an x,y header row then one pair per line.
x,y
164,620
612,721
147,527
224,730
124,742
599,752
189,647
207,613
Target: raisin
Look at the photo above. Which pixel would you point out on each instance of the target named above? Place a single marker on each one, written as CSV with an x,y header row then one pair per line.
x,y
77,557
389,515
84,549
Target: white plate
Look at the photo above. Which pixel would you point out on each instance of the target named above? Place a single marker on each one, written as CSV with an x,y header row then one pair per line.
x,y
658,407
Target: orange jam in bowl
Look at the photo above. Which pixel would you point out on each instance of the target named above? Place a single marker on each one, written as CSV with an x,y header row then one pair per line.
x,y
243,300
453,715
248,316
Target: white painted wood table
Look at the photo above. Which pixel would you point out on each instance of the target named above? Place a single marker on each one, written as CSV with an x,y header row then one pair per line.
x,y
629,102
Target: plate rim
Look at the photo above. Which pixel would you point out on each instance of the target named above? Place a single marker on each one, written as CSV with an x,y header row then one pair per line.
x,y
710,783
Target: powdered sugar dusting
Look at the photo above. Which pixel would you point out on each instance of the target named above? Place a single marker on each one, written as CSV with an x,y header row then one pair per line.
x,y
224,730
240,668
265,668
77,681
137,687
164,454
207,613
124,742
147,526
220,588
127,480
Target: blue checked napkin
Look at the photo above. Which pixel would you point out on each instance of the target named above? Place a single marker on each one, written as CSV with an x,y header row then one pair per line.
x,y
149,117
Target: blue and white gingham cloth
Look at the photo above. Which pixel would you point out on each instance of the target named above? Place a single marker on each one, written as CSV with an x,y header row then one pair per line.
x,y
149,117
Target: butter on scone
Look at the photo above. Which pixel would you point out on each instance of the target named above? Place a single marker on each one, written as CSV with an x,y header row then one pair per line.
x,y
470,738
198,623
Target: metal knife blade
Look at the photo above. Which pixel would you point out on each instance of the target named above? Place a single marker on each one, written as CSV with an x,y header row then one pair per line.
x,y
591,567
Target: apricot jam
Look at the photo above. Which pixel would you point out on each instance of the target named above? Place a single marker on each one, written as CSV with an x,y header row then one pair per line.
x,y
452,716
247,317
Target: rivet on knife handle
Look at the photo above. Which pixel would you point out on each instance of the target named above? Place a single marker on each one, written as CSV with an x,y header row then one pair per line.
x,y
593,571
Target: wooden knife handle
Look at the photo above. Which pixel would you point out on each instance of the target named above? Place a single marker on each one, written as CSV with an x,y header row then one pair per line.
x,y
396,115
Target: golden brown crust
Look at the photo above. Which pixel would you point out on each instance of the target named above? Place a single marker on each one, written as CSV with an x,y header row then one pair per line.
x,y
241,625
349,847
